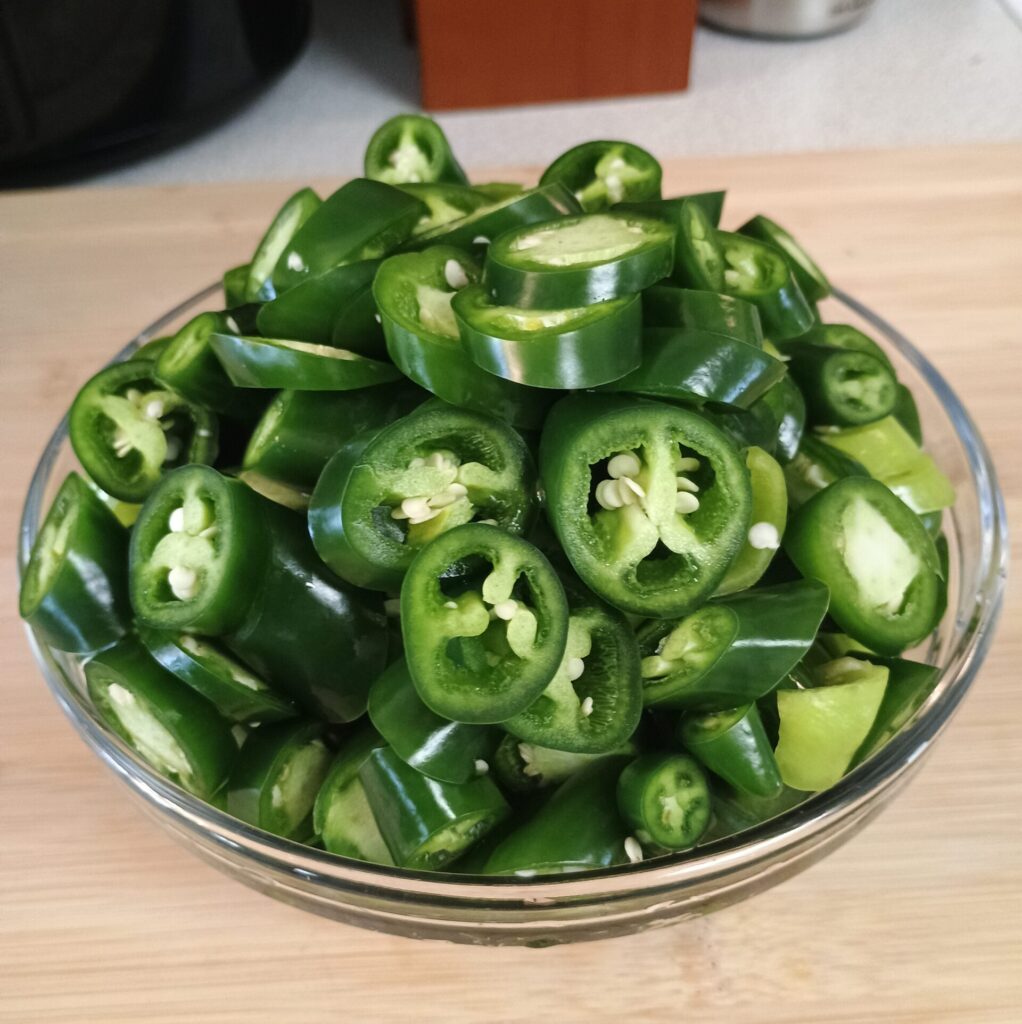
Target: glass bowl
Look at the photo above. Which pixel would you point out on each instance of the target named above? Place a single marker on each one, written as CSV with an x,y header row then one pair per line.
x,y
615,901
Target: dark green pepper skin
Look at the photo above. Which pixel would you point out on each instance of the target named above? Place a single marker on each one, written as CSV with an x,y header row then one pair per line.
x,y
734,745
669,210
596,173
444,750
269,755
362,220
231,562
808,275
308,633
446,203
301,430
775,422
476,688
643,789
735,811
189,366
333,307
74,593
841,387
817,537
906,412
666,305
426,824
783,308
366,473
198,730
208,671
698,259
743,645
426,136
694,366
610,683
909,685
93,430
609,551
578,828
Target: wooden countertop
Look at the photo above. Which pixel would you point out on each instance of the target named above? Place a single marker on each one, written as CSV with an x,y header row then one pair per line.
x,y
919,919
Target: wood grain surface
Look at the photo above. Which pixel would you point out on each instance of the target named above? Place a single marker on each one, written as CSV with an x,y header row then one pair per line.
x,y
919,919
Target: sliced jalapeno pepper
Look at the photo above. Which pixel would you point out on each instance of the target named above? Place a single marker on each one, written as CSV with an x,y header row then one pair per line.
x,y
650,501
698,255
446,203
234,281
411,148
909,684
74,591
301,430
601,174
669,210
691,365
362,220
594,702
308,633
731,651
559,348
444,750
821,728
496,191
152,348
279,771
128,430
480,227
196,552
177,732
889,455
808,275
522,768
758,273
341,816
285,495
236,692
735,811
485,623
769,517
875,556
576,261
843,336
283,228
842,387
578,828
733,744
665,799
188,366
333,307
297,365
815,467
414,292
425,823
669,306
387,493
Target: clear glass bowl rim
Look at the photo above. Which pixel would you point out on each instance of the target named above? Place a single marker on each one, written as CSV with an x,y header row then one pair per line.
x,y
820,814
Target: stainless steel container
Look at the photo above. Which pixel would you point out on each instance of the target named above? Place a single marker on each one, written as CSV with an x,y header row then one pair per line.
x,y
784,18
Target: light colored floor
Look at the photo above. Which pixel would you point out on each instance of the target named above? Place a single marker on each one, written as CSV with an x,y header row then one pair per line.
x,y
914,72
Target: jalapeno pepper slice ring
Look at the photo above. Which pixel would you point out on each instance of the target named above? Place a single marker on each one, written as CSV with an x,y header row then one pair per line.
x,y
127,430
384,495
411,148
576,261
485,623
195,552
602,173
649,501
594,702
297,365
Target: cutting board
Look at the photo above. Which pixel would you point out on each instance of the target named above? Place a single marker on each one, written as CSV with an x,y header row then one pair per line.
x,y
918,919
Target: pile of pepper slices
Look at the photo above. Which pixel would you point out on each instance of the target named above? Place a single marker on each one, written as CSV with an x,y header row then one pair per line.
x,y
617,543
